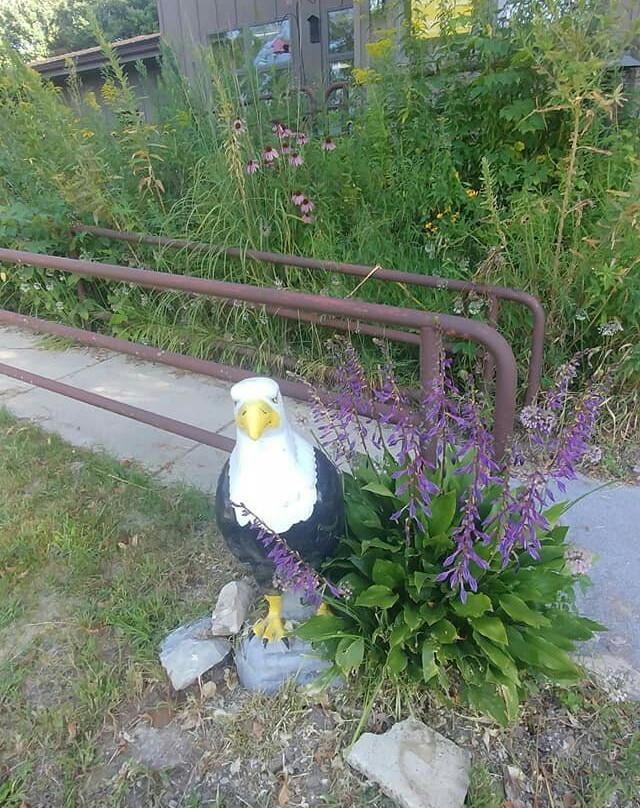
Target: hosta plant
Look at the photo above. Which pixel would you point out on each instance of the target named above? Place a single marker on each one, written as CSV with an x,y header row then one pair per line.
x,y
453,570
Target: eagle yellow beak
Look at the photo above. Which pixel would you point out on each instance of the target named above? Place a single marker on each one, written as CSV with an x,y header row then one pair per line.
x,y
255,416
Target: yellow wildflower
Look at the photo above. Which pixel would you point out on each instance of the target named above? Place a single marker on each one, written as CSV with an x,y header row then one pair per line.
x,y
471,192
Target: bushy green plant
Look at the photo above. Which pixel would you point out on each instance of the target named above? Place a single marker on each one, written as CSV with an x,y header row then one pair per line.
x,y
456,572
401,623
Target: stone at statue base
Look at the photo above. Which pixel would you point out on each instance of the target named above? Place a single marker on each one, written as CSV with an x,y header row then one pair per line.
x,y
266,667
190,651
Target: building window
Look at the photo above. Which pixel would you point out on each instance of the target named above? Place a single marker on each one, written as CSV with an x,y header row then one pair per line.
x,y
261,47
340,44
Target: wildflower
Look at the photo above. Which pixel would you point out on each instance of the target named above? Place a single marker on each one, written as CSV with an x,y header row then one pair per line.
x,y
612,327
579,560
306,218
239,126
296,159
458,306
328,144
252,166
537,419
286,147
471,192
59,305
278,129
306,206
592,455
301,139
476,306
24,287
298,198
269,154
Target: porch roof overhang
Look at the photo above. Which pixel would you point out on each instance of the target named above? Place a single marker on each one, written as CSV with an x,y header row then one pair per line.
x,y
135,49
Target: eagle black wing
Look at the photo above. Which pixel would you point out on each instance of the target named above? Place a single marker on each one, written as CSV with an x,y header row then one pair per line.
x,y
314,539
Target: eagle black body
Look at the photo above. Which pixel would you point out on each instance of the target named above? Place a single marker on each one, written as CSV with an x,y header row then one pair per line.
x,y
314,539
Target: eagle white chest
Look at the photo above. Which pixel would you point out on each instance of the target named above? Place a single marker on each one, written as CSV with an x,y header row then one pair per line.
x,y
275,478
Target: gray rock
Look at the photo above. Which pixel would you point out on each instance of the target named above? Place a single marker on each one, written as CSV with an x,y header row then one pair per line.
x,y
190,651
414,765
266,667
159,749
232,608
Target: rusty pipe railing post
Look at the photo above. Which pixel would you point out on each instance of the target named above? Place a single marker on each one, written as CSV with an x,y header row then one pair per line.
x,y
430,351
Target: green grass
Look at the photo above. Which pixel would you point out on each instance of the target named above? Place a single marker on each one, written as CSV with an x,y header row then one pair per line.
x,y
98,562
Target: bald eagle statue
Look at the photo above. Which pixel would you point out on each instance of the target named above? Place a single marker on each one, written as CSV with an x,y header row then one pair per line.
x,y
276,475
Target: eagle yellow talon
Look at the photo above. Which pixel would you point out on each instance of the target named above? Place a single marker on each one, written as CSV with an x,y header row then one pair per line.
x,y
271,628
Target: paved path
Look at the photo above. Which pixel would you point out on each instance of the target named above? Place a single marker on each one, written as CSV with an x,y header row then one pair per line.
x,y
607,523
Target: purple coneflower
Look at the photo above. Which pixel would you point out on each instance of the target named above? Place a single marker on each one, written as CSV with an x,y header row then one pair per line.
x,y
301,139
306,206
269,154
286,147
239,126
328,144
278,129
295,159
252,166
298,198
307,219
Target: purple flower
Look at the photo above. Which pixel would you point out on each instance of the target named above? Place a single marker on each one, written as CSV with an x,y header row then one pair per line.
x,y
328,144
295,159
239,126
252,166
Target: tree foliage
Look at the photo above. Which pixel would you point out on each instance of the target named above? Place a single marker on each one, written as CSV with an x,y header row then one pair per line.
x,y
40,28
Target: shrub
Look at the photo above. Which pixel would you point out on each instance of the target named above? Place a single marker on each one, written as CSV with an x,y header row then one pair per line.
x,y
457,570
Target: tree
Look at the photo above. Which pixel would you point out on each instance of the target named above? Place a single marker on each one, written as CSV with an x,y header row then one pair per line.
x,y
117,19
27,25
40,28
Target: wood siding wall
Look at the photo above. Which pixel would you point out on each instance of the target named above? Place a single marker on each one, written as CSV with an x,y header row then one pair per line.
x,y
188,24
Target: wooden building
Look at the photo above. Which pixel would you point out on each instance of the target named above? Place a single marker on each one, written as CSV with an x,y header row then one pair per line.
x,y
317,41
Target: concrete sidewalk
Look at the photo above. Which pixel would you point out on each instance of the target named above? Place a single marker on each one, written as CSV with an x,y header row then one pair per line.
x,y
606,523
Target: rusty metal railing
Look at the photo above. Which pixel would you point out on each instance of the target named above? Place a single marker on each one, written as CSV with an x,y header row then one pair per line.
x,y
430,326
493,294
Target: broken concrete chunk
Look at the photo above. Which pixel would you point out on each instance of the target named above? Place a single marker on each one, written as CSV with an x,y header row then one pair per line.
x,y
190,651
414,765
232,608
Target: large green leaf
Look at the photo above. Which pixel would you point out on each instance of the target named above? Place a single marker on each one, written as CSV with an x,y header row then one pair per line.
x,y
549,655
412,617
519,648
397,660
399,635
554,513
324,627
516,608
444,631
388,573
350,653
443,509
429,666
431,614
477,604
379,489
498,657
377,596
573,626
492,628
